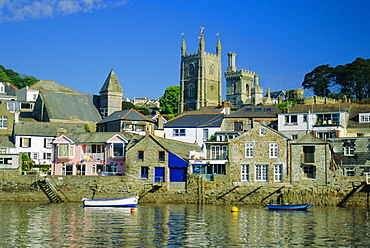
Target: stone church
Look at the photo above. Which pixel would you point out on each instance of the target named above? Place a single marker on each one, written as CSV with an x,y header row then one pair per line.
x,y
201,80
200,77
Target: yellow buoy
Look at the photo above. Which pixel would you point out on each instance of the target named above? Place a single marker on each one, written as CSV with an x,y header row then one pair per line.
x,y
234,209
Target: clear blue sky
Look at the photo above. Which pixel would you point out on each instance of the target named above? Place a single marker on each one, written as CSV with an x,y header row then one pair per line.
x,y
77,42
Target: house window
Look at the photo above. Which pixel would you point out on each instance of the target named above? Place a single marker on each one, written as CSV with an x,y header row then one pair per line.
x,y
111,169
140,155
238,126
273,151
179,132
216,169
349,151
349,172
3,150
118,150
244,172
261,172
93,169
5,161
13,106
4,122
291,120
278,172
325,135
262,132
205,134
218,152
294,136
35,156
25,142
327,119
144,172
309,171
48,143
161,156
249,150
364,117
95,148
308,154
46,155
66,150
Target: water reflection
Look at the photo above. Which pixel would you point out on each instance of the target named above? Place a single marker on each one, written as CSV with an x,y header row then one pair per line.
x,y
170,225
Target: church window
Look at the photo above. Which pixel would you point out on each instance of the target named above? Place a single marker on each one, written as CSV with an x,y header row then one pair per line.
x,y
192,70
211,70
191,89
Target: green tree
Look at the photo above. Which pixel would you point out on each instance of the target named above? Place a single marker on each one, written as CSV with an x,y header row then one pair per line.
x,y
127,105
351,80
170,100
284,104
319,80
20,81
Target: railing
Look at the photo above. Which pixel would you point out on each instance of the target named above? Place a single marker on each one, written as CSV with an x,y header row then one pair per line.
x,y
92,156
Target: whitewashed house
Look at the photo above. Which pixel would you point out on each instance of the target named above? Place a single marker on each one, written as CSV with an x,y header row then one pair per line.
x,y
193,127
35,138
322,120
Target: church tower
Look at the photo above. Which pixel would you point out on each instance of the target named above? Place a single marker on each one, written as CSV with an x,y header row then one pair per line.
x,y
200,77
111,95
241,85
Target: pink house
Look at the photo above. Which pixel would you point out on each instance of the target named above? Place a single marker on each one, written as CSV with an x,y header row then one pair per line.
x,y
90,154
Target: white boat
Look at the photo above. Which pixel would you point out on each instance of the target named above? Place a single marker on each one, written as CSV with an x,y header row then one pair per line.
x,y
130,201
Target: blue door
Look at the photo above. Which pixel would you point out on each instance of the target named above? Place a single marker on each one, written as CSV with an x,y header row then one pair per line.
x,y
159,174
177,174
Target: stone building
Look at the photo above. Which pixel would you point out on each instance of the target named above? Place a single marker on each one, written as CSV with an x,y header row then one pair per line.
x,y
200,77
259,157
241,85
311,162
111,95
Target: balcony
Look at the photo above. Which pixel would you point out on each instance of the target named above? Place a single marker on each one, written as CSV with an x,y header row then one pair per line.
x,y
92,157
326,123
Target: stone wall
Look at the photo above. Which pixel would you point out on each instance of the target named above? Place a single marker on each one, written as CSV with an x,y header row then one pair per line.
x,y
22,188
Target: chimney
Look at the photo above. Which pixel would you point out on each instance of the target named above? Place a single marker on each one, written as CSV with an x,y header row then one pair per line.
x,y
160,122
226,107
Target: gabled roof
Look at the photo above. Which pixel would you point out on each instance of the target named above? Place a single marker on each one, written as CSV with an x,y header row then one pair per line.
x,y
319,108
309,139
258,127
353,118
127,115
181,149
192,120
256,111
111,84
95,137
72,107
45,128
52,86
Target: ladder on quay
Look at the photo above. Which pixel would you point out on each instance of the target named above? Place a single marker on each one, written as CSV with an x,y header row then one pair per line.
x,y
49,190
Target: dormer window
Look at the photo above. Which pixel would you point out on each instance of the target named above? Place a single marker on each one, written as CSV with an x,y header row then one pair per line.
x,y
364,117
291,120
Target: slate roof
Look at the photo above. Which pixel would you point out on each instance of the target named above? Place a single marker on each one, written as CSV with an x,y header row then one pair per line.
x,y
111,84
309,139
5,142
206,110
181,149
319,108
127,114
256,111
73,107
45,128
353,118
52,86
196,120
95,137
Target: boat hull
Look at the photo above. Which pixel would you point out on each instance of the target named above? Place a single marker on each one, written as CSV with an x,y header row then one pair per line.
x,y
289,207
130,201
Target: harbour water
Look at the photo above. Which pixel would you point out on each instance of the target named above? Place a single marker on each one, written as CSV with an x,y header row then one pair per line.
x,y
179,225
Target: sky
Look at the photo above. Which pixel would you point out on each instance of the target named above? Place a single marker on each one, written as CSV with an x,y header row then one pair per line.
x,y
77,43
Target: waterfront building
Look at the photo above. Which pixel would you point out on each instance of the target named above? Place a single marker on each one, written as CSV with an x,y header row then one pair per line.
x,y
90,154
152,160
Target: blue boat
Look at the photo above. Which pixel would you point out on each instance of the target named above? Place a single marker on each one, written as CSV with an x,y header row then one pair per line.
x,y
289,206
